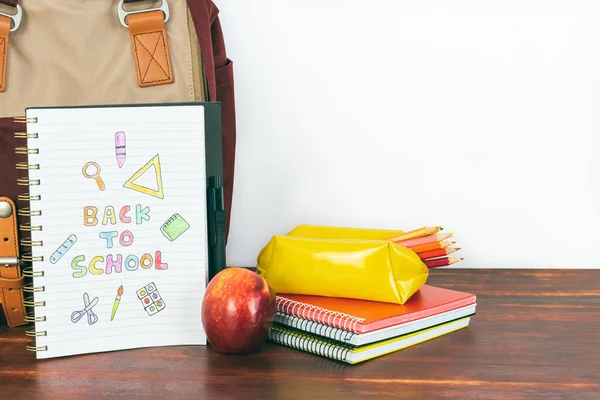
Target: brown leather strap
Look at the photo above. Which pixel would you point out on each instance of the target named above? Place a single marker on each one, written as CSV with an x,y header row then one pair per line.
x,y
11,283
150,46
11,280
5,24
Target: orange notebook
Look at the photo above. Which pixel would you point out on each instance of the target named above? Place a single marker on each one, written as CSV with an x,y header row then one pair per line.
x,y
362,316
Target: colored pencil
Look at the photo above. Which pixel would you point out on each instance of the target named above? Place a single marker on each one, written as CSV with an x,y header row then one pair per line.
x,y
442,262
431,246
417,233
424,240
438,253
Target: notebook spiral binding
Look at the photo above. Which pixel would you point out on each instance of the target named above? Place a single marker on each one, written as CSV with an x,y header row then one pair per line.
x,y
170,220
305,342
28,272
313,327
306,311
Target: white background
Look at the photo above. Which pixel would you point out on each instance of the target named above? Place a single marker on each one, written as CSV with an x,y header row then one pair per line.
x,y
480,116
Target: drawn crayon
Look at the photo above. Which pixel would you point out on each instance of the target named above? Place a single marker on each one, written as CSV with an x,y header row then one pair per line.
x,y
117,302
120,148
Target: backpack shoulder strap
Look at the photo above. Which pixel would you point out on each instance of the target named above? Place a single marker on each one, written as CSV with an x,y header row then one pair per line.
x,y
11,278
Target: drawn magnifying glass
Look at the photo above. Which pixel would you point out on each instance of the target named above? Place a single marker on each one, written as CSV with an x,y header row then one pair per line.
x,y
95,175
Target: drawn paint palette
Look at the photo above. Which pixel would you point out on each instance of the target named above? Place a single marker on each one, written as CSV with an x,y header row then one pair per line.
x,y
151,299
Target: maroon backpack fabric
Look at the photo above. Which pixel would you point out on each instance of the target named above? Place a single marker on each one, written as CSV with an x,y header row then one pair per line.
x,y
219,76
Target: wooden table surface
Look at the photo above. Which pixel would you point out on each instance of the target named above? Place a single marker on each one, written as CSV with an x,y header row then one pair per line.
x,y
536,335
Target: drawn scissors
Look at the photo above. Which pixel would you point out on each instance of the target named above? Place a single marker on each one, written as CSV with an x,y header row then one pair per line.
x,y
95,175
92,318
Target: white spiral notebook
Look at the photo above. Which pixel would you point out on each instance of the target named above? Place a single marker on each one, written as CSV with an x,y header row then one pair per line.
x,y
118,227
360,339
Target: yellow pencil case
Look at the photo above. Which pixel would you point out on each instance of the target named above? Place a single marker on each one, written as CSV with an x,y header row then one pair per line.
x,y
374,270
335,232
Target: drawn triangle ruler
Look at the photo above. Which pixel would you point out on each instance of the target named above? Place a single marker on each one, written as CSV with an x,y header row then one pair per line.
x,y
155,162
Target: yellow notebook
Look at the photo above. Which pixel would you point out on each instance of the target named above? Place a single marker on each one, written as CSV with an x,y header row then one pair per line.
x,y
353,355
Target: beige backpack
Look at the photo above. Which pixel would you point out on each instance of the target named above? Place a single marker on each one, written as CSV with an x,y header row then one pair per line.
x,y
74,52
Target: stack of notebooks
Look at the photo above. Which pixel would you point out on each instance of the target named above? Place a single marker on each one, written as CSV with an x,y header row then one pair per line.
x,y
353,331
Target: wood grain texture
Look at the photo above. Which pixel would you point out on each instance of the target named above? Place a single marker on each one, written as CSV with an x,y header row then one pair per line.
x,y
536,335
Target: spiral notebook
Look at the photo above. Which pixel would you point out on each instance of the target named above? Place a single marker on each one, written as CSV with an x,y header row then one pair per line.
x,y
363,316
352,355
360,339
118,225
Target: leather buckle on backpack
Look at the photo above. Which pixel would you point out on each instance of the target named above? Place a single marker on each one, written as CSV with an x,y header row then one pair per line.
x,y
149,44
9,261
123,14
16,18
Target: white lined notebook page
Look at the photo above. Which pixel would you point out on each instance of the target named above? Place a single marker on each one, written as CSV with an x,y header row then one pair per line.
x,y
139,223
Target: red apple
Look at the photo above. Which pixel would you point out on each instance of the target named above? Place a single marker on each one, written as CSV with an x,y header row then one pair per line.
x,y
237,311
